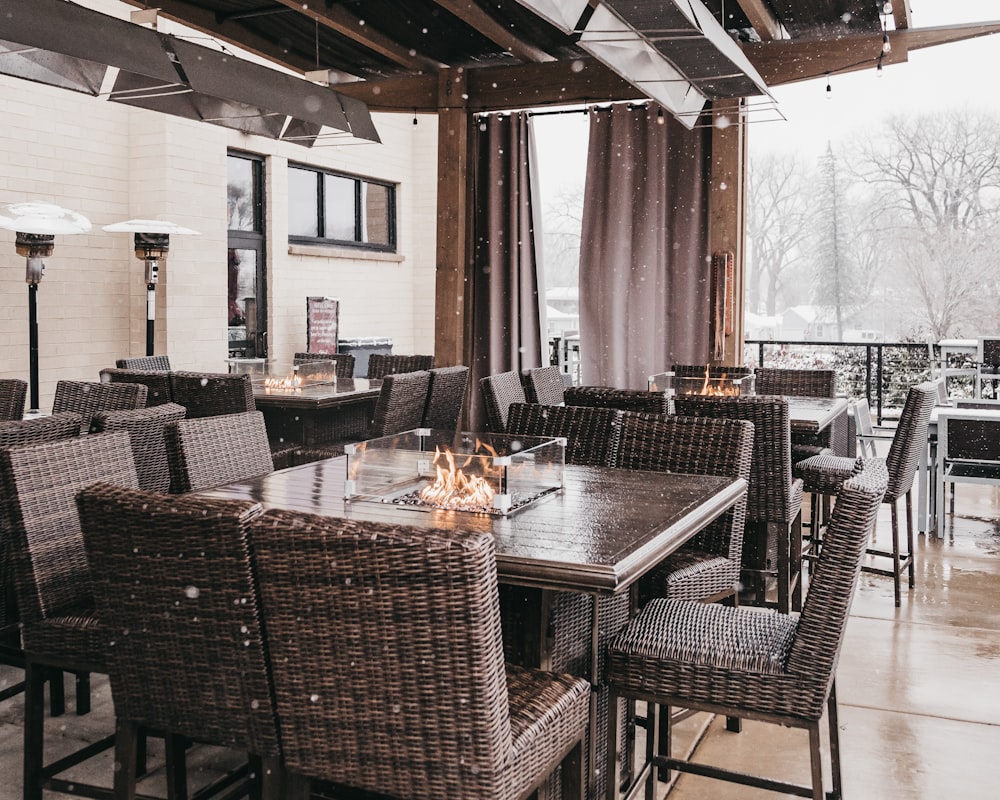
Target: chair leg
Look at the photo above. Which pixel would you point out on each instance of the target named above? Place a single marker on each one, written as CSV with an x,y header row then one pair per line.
x,y
572,779
651,745
909,539
784,567
126,759
895,551
176,758
82,693
831,713
34,734
816,762
57,692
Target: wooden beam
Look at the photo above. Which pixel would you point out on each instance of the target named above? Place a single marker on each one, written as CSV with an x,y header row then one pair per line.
x,y
554,83
799,60
762,18
405,94
473,15
339,19
452,299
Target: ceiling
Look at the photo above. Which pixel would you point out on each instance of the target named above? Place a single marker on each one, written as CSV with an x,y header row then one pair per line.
x,y
410,55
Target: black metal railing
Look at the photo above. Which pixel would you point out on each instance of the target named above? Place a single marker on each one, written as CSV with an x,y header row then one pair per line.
x,y
880,371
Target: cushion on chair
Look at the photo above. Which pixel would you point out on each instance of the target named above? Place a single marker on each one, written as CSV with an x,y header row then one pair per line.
x,y
824,474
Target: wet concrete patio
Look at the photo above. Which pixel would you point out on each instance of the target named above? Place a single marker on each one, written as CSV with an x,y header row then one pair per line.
x,y
919,689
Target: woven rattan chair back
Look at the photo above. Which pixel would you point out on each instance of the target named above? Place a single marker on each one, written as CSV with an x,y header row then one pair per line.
x,y
910,439
188,655
591,433
39,483
768,494
714,371
499,391
382,364
445,397
544,385
145,429
12,395
699,446
157,383
401,403
159,363
623,399
820,630
398,662
343,362
211,451
86,398
208,394
796,382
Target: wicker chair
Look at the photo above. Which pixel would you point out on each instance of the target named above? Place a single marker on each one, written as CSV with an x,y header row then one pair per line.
x,y
394,682
590,433
445,398
208,394
52,579
823,475
714,371
157,383
708,567
203,453
145,429
86,398
499,391
807,383
623,399
12,395
145,363
544,385
343,362
772,541
751,663
382,364
17,433
181,670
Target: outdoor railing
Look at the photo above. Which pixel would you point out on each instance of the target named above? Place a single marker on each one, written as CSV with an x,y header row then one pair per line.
x,y
880,371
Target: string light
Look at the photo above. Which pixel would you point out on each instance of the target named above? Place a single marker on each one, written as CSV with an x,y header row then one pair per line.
x,y
886,44
829,88
887,7
414,116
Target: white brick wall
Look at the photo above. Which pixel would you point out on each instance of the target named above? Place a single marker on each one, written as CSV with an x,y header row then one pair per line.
x,y
112,163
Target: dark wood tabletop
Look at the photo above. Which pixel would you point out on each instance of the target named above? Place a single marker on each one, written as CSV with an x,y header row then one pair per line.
x,y
813,414
317,396
599,534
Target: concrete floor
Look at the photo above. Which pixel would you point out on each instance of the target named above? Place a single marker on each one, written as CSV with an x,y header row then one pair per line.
x,y
919,688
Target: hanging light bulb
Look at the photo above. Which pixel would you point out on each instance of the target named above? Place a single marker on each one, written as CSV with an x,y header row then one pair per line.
x,y
659,116
887,7
886,44
482,123
829,88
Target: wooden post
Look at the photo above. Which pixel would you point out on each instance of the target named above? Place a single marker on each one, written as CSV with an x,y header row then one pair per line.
x,y
452,318
727,207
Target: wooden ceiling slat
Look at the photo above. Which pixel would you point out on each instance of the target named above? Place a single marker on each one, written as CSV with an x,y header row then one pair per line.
x,y
473,15
762,19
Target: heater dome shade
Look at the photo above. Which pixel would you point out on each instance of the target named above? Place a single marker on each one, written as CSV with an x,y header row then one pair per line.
x,y
149,226
43,218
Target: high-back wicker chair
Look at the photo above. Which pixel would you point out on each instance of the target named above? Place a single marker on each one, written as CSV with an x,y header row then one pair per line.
x,y
157,383
145,429
807,383
824,474
208,394
714,371
188,656
772,541
388,664
777,668
16,433
382,364
159,363
445,397
401,403
86,398
208,452
544,385
12,395
590,433
343,362
624,399
499,391
707,567
60,630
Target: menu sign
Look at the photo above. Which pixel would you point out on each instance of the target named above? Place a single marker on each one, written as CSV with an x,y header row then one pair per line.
x,y
322,321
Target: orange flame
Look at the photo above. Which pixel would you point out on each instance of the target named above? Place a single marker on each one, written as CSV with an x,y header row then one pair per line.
x,y
452,489
718,386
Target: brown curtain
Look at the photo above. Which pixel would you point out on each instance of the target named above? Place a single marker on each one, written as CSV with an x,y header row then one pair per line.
x,y
645,268
507,319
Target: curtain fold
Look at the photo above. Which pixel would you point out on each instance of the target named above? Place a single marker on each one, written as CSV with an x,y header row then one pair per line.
x,y
507,317
645,266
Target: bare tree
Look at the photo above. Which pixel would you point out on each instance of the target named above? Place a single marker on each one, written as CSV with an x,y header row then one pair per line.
x,y
564,222
937,178
780,217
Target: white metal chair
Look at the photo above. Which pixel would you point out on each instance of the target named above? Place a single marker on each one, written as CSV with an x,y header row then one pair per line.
x,y
988,361
968,451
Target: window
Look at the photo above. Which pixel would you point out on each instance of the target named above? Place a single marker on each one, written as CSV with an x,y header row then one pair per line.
x,y
325,207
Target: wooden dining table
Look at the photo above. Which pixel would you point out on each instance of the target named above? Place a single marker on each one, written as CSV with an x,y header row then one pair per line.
x,y
565,563
320,413
814,414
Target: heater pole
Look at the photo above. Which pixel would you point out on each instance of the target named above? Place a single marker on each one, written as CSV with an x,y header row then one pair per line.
x,y
150,317
33,344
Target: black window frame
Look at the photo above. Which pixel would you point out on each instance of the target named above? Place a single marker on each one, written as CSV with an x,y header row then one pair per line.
x,y
320,210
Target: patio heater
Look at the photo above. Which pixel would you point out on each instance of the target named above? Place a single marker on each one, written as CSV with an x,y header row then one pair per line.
x,y
36,225
152,241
